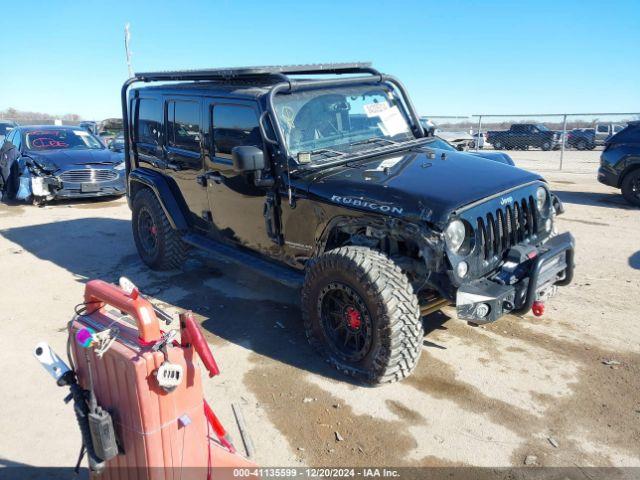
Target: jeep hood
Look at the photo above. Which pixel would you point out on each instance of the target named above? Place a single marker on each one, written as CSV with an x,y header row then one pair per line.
x,y
421,184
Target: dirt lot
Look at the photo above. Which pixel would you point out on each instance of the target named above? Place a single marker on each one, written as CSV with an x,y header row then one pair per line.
x,y
564,388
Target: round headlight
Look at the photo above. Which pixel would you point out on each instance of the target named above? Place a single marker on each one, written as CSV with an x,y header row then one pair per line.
x,y
541,198
454,235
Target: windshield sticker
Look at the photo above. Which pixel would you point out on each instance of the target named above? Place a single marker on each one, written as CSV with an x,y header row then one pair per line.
x,y
391,120
360,202
375,109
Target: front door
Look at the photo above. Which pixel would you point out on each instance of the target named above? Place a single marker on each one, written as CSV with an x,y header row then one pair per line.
x,y
237,205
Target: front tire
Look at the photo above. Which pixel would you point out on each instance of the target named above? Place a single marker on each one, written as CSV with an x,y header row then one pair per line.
x,y
159,245
361,314
631,187
546,146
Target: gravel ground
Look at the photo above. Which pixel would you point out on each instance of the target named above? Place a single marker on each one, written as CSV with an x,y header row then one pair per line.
x,y
563,388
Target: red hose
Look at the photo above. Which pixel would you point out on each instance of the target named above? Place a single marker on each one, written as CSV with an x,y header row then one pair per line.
x,y
221,433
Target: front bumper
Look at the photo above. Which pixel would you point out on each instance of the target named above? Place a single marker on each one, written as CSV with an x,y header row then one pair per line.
x,y
607,177
56,188
516,286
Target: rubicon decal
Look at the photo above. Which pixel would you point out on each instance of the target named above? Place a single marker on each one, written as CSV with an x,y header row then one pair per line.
x,y
360,202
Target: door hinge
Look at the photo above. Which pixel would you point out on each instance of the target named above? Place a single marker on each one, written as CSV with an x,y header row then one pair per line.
x,y
271,219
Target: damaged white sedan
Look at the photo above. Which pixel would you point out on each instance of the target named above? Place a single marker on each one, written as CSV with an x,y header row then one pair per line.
x,y
40,163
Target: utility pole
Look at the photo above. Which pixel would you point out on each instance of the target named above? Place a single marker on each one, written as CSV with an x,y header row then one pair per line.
x,y
127,38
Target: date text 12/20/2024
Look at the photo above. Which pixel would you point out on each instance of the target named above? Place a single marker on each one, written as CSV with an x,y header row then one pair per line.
x,y
306,472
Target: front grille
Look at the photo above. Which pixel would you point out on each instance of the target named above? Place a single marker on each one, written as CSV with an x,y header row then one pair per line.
x,y
88,176
500,230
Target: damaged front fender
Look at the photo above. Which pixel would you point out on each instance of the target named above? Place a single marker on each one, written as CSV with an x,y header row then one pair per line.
x,y
34,182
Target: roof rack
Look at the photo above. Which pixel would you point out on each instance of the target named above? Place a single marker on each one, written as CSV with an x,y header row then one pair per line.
x,y
260,71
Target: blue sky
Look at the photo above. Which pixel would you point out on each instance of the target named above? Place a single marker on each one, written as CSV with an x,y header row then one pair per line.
x,y
455,57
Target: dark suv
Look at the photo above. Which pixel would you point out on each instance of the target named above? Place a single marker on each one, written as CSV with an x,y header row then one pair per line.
x,y
331,185
620,162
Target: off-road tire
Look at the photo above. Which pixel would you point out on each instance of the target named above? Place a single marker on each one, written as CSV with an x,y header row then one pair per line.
x,y
170,251
396,328
628,182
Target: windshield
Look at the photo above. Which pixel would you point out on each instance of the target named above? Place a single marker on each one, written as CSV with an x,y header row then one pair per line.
x,y
438,142
542,128
58,139
340,120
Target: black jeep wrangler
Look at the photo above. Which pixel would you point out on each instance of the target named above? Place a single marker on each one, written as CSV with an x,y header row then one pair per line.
x,y
321,177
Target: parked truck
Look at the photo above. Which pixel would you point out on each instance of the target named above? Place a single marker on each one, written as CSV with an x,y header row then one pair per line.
x,y
604,131
524,135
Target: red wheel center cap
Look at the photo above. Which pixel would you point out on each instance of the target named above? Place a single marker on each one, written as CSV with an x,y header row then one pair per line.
x,y
153,230
354,319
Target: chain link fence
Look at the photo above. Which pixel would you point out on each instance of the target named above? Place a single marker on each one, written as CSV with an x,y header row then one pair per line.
x,y
541,142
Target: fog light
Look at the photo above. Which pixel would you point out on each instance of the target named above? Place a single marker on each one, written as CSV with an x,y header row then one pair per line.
x,y
482,310
462,269
548,225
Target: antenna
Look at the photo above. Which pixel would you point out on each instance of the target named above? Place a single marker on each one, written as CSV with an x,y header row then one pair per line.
x,y
127,38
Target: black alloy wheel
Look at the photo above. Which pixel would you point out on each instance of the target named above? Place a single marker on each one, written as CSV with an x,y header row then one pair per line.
x,y
346,321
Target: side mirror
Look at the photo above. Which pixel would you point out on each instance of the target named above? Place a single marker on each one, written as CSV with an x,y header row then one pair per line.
x,y
247,159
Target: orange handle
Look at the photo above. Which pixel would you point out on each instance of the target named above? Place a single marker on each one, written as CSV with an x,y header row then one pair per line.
x,y
97,293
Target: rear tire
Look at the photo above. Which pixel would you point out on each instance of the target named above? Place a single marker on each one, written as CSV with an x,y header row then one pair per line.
x,y
581,145
498,145
158,244
361,314
631,187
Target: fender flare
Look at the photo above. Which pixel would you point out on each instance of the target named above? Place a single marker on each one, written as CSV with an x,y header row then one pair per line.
x,y
159,185
632,164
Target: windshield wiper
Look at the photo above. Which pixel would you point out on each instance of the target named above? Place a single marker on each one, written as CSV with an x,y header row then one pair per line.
x,y
326,152
333,157
367,141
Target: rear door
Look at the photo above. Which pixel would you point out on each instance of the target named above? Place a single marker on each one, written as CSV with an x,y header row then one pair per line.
x,y
519,135
183,154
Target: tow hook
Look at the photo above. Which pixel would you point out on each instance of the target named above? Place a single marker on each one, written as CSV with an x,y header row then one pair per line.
x,y
538,308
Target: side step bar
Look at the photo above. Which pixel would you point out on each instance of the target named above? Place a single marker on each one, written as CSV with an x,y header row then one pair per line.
x,y
282,274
